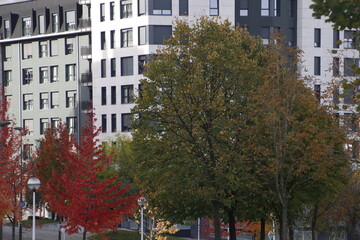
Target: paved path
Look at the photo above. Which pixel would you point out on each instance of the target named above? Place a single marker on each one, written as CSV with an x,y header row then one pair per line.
x,y
47,232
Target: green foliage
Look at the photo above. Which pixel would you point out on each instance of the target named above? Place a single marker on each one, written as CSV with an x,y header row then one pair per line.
x,y
343,13
126,235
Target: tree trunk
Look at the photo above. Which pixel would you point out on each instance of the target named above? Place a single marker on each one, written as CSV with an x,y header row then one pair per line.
x,y
13,230
262,229
291,232
84,235
217,224
284,229
232,223
313,222
1,230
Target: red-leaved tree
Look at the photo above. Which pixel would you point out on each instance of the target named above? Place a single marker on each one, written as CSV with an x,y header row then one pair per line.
x,y
71,183
12,172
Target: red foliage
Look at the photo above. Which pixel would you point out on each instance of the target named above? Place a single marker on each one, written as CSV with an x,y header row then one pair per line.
x,y
71,183
11,170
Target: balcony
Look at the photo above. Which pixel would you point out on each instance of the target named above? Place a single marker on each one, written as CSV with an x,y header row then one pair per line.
x,y
86,79
84,2
85,24
86,52
86,105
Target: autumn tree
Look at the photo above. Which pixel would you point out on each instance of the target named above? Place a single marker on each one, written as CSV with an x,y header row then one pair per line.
x,y
12,172
71,185
189,140
301,145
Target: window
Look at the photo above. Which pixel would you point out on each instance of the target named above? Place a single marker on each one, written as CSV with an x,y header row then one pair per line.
x,y
336,38
317,66
41,24
70,99
44,100
113,95
43,49
102,12
102,41
103,123
70,72
127,94
317,37
350,39
183,7
244,8
126,8
103,95
349,64
54,99
7,30
71,123
70,20
28,102
112,39
143,59
27,50
336,66
54,22
54,50
214,7
348,94
317,91
113,122
159,33
7,77
127,37
292,8
141,7
29,125
112,67
265,35
55,122
161,7
44,124
126,121
142,35
54,74
7,53
27,76
265,8
28,151
43,76
127,66
103,68
355,146
351,122
26,26
69,45
112,12
291,37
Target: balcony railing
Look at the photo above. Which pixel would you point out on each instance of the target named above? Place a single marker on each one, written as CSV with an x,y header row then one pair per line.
x,y
86,78
85,23
86,52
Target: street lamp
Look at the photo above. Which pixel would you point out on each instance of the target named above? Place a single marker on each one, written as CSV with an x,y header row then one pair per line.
x,y
21,129
141,202
33,185
4,123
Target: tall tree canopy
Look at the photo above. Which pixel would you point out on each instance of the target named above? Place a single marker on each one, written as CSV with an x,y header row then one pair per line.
x,y
227,128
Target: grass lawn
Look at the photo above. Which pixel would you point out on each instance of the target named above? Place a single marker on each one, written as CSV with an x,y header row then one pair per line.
x,y
126,235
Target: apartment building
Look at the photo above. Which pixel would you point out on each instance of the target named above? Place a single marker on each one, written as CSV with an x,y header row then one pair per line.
x,y
54,63
45,63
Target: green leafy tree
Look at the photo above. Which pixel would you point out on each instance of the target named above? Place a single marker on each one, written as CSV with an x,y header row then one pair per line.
x,y
298,141
189,141
343,13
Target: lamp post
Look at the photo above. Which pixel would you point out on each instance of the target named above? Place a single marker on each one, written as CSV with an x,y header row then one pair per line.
x,y
33,185
20,129
141,202
4,123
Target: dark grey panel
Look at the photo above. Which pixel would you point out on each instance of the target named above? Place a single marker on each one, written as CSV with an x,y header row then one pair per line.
x,y
159,33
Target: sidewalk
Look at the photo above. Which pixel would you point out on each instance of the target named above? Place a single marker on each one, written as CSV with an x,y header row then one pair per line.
x,y
46,232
